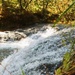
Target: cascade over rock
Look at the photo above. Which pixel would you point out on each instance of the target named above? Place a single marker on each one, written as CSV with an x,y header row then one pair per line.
x,y
43,47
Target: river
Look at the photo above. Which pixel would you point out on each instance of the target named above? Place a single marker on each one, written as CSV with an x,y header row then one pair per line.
x,y
36,50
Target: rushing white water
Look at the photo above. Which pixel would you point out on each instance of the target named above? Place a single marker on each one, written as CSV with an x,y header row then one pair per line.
x,y
29,53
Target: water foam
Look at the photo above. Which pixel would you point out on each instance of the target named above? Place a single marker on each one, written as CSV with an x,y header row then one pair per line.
x,y
37,49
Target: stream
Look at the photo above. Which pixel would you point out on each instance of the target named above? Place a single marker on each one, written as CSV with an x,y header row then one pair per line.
x,y
37,50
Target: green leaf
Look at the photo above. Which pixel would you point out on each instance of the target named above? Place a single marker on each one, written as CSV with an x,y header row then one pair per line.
x,y
58,71
23,73
67,57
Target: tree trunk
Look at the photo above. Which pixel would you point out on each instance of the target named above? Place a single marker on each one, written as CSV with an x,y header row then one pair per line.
x,y
20,4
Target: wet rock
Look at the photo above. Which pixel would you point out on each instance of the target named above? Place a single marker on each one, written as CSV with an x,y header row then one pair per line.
x,y
48,69
11,36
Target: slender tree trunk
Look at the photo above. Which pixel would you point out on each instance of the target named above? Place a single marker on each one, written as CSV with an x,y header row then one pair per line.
x,y
3,3
28,4
43,9
20,4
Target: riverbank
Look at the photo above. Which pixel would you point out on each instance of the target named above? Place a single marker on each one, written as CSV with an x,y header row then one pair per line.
x,y
68,64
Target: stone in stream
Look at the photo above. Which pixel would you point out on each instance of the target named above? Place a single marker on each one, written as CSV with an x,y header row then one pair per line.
x,y
11,36
48,69
45,50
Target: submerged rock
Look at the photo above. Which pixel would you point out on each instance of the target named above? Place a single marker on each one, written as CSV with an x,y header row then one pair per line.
x,y
46,47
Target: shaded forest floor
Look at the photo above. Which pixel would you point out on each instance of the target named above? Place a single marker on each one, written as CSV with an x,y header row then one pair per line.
x,y
10,21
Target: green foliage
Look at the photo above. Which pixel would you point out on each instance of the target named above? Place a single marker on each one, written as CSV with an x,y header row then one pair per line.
x,y
23,73
66,63
68,66
53,6
58,19
58,71
46,11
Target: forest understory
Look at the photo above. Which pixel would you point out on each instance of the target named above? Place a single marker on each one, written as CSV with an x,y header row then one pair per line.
x,y
16,21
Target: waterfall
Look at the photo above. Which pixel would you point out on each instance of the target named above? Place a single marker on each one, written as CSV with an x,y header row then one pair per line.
x,y
45,46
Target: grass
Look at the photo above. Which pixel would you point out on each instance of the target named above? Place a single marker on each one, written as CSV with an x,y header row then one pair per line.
x,y
23,73
58,19
68,66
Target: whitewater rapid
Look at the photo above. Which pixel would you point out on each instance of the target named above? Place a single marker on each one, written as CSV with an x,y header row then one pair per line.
x,y
43,47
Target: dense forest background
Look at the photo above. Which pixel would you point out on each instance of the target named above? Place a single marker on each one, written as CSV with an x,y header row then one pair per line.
x,y
23,13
